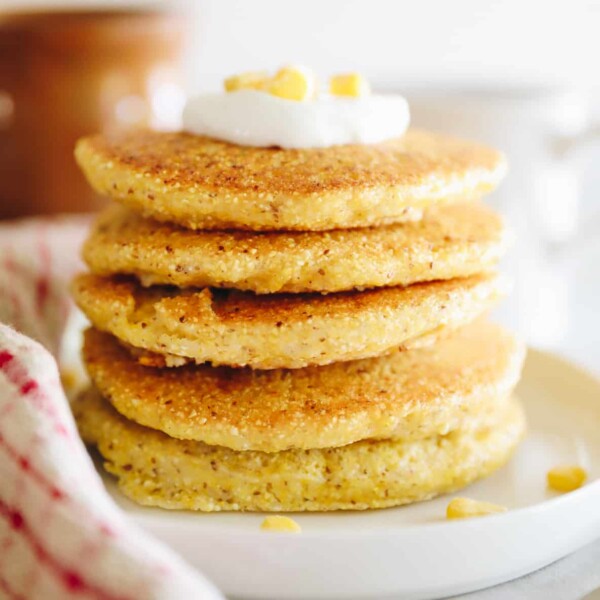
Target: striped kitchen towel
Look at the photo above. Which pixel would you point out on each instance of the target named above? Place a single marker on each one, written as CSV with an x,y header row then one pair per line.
x,y
61,535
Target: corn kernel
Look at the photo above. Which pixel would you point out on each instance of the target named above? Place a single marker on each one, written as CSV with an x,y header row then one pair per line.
x,y
464,508
279,523
567,478
351,84
252,80
68,378
293,83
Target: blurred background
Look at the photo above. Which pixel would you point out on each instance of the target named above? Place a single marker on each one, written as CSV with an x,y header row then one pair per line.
x,y
520,74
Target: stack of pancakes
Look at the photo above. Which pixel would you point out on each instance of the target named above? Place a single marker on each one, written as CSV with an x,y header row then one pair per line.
x,y
287,330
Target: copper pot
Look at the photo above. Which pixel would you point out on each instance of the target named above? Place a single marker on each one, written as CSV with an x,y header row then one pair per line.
x,y
67,74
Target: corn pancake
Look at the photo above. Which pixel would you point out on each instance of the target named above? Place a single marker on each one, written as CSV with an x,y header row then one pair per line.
x,y
405,395
228,327
156,470
451,241
203,183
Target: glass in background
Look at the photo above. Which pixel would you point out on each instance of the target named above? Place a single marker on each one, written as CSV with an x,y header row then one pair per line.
x,y
64,74
539,129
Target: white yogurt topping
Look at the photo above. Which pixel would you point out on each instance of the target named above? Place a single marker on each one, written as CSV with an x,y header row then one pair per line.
x,y
253,118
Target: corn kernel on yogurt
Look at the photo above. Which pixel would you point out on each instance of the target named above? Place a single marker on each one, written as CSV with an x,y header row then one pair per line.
x,y
285,111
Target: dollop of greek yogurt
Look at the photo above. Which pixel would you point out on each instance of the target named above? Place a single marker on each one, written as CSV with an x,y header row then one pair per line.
x,y
254,118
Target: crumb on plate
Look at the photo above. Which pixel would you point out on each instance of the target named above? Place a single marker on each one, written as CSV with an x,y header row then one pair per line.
x,y
280,523
464,508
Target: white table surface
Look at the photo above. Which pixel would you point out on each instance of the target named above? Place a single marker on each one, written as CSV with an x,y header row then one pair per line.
x,y
571,578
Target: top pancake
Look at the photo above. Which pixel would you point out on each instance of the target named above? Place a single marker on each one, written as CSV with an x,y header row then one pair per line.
x,y
202,183
455,240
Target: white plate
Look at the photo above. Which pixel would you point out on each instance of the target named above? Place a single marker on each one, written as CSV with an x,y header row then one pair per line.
x,y
411,552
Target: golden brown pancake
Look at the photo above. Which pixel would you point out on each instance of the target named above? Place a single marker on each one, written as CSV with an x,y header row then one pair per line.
x,y
405,395
156,470
455,240
203,183
227,327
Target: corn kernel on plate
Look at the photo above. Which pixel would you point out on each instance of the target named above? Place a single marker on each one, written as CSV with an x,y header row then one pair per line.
x,y
415,552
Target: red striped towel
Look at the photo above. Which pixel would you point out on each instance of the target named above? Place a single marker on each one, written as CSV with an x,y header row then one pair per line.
x,y
61,535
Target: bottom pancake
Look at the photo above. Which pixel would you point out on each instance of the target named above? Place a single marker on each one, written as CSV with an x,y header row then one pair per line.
x,y
156,470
